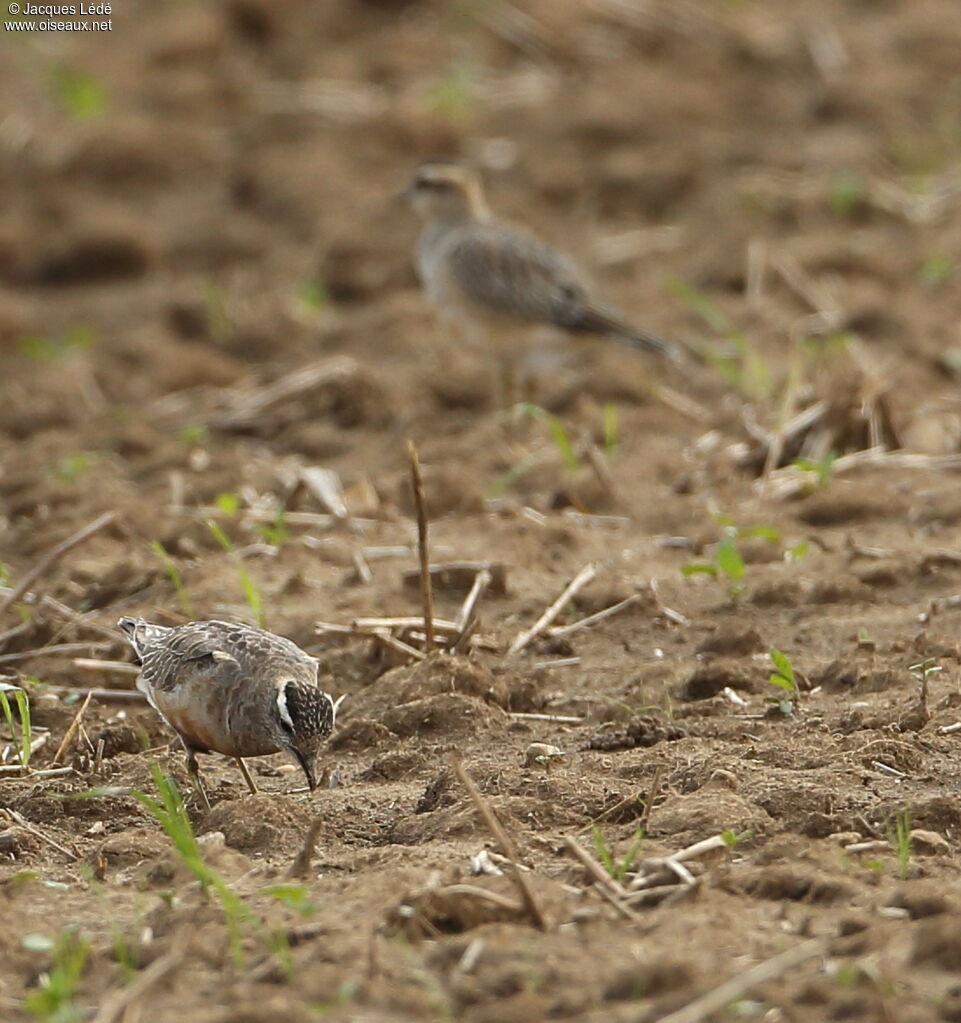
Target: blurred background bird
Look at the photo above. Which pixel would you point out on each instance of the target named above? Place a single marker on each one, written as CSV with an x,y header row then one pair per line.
x,y
491,280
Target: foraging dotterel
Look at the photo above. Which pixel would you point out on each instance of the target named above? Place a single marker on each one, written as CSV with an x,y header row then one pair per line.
x,y
233,689
493,279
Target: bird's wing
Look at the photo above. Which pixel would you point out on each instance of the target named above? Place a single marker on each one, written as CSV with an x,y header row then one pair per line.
x,y
512,273
181,654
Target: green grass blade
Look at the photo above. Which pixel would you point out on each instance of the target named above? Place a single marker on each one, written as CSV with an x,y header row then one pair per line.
x,y
628,861
250,591
603,853
173,574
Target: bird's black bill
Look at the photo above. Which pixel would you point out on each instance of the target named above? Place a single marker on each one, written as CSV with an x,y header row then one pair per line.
x,y
308,768
650,343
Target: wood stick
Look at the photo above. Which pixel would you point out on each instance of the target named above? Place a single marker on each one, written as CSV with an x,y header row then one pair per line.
x,y
560,719
78,618
47,651
115,1006
248,406
737,987
681,403
72,730
115,667
22,822
501,901
300,868
503,840
651,796
102,695
467,615
426,590
383,636
598,616
27,774
53,556
404,622
586,574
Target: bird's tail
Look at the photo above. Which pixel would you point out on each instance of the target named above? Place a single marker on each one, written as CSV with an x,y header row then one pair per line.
x,y
141,634
604,321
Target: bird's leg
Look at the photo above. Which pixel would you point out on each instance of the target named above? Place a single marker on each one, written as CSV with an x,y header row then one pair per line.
x,y
194,771
251,784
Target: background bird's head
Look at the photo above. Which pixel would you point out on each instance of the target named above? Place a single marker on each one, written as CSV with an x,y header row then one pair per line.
x,y
304,718
447,191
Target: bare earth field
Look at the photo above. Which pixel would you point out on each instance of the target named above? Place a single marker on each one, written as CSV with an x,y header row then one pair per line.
x,y
206,292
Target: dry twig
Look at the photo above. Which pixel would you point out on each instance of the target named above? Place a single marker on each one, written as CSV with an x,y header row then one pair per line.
x,y
72,730
598,616
735,988
115,1006
417,486
503,840
586,574
300,868
467,615
606,885
53,556
22,822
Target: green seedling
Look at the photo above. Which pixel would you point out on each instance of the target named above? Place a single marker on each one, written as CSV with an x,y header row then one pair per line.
x,y
935,270
173,574
6,576
783,677
900,839
219,322
194,435
848,193
798,551
312,295
732,838
23,734
69,469
55,349
250,591
610,428
617,871
726,562
170,814
558,432
228,504
921,671
275,533
822,468
509,478
80,96
451,96
749,1008
53,999
293,896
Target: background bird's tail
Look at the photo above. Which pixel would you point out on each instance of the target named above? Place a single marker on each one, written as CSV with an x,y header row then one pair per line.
x,y
608,323
141,634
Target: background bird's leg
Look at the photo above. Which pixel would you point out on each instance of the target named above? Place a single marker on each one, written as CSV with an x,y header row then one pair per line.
x,y
251,784
193,770
508,350
506,384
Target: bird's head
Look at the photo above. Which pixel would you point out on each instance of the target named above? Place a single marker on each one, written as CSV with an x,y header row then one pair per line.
x,y
443,190
304,717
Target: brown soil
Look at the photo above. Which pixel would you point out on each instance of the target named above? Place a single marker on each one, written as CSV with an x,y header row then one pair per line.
x,y
796,165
